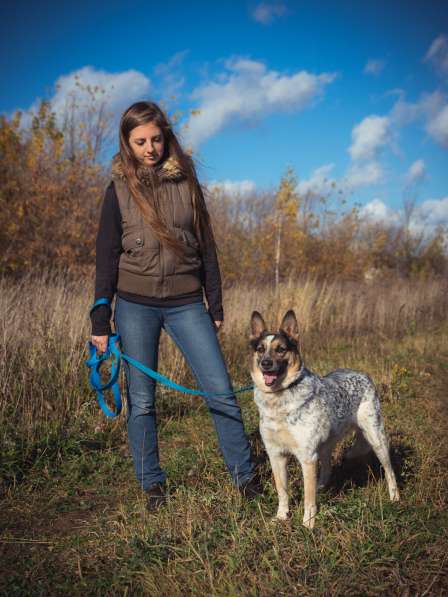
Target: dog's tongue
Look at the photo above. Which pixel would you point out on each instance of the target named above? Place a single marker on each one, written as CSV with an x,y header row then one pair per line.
x,y
269,379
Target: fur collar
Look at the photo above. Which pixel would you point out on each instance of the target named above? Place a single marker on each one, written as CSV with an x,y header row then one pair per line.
x,y
169,170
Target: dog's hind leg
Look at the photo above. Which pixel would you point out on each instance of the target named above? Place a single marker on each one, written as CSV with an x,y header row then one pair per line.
x,y
280,471
371,424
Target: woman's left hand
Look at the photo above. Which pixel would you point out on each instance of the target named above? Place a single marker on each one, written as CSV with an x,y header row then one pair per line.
x,y
218,324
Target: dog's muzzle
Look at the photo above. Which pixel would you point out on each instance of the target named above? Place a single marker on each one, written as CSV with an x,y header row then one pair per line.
x,y
270,374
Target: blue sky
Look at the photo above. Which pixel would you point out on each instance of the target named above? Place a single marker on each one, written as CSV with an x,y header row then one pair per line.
x,y
345,91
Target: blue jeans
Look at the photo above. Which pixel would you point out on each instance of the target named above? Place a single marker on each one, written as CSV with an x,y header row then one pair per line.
x,y
191,328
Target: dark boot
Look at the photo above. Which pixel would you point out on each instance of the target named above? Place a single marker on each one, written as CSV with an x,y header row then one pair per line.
x,y
251,489
155,497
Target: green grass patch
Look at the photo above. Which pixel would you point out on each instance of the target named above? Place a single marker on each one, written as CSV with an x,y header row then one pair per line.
x,y
73,519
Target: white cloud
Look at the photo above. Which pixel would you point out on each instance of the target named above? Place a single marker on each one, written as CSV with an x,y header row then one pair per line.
x,y
437,210
369,136
358,175
120,90
233,187
431,108
175,61
432,103
404,112
364,175
247,92
430,215
266,12
374,67
437,54
437,127
169,77
425,220
319,182
416,172
377,211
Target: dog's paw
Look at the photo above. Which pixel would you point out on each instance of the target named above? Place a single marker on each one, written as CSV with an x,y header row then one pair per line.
x,y
281,515
309,518
395,495
309,523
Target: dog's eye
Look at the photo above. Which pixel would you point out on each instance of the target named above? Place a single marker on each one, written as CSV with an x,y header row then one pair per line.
x,y
260,349
280,350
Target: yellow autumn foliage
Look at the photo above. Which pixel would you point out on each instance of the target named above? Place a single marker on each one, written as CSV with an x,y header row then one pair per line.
x,y
52,183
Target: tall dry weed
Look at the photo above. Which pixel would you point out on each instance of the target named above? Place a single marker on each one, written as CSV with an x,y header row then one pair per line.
x,y
44,328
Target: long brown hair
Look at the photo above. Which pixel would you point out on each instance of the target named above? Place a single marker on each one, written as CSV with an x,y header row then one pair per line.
x,y
144,113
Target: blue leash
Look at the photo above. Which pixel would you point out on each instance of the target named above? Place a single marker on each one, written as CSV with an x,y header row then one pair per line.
x,y
95,362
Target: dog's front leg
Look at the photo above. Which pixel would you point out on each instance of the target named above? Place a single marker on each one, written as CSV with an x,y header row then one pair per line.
x,y
309,469
280,471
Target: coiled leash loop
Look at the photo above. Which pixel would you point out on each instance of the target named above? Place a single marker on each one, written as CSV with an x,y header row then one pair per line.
x,y
95,362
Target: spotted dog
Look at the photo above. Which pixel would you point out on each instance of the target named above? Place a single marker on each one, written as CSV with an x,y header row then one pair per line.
x,y
305,415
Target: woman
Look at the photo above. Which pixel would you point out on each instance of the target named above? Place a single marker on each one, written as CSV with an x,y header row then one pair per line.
x,y
155,250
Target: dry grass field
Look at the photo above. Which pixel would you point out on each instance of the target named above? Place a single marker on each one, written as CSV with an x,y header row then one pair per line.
x,y
72,519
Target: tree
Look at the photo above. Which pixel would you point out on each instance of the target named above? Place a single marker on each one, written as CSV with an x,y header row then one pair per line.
x,y
86,122
286,207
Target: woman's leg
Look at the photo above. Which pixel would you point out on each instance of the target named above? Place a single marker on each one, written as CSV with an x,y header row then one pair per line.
x,y
191,328
139,327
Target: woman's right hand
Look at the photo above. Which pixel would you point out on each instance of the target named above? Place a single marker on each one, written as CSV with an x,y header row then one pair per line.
x,y
100,343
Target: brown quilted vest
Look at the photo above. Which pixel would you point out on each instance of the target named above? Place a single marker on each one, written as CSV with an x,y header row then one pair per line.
x,y
146,267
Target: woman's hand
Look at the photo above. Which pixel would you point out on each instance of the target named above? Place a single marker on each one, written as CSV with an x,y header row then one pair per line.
x,y
100,343
218,324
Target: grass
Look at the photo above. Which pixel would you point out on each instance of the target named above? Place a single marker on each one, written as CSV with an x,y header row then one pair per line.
x,y
72,517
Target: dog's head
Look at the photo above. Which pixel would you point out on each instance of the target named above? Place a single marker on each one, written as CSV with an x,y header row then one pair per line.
x,y
276,360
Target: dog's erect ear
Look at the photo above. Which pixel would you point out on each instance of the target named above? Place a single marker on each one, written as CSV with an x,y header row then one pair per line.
x,y
257,325
290,326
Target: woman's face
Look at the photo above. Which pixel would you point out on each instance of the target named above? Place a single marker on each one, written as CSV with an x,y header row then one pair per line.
x,y
147,143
